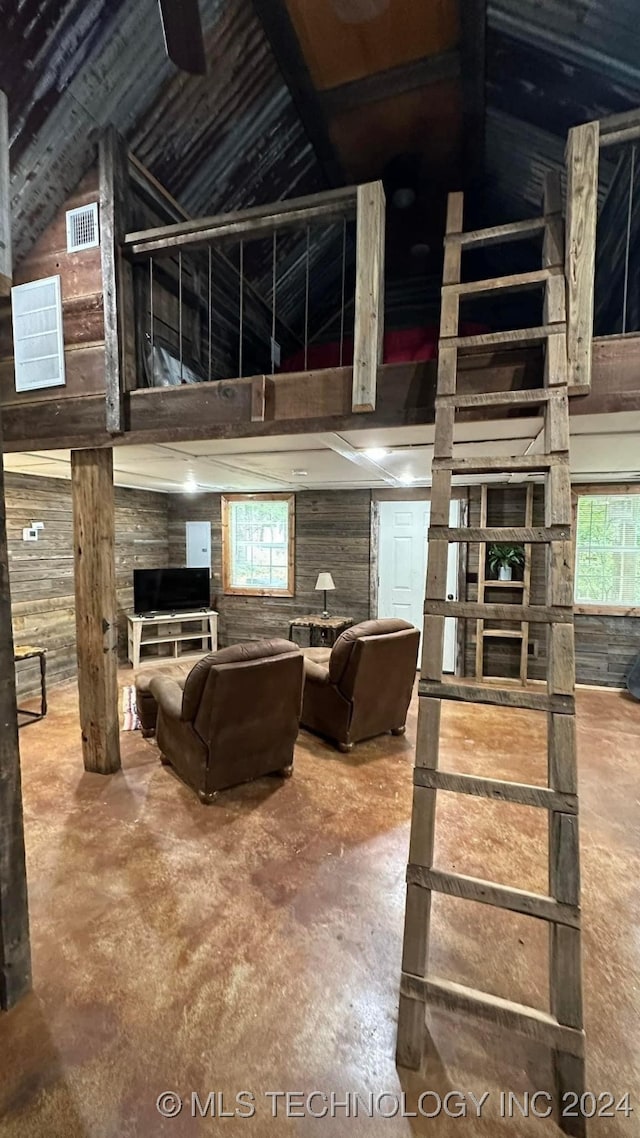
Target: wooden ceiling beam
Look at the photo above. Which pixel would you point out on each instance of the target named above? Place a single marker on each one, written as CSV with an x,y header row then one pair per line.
x,y
310,402
392,82
288,54
473,30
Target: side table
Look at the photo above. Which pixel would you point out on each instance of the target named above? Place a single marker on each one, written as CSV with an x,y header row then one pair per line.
x,y
28,652
323,631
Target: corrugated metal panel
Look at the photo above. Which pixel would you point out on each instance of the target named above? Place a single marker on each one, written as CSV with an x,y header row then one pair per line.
x,y
518,156
222,141
602,34
552,64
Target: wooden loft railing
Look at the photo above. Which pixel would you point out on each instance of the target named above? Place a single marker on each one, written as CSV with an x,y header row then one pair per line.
x,y
600,240
129,308
582,215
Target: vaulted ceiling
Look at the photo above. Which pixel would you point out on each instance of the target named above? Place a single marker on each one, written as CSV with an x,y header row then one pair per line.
x,y
300,94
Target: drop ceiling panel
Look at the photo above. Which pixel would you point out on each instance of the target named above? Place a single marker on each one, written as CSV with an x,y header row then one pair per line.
x,y
260,464
23,462
43,469
242,446
402,436
411,463
319,464
392,436
626,422
606,454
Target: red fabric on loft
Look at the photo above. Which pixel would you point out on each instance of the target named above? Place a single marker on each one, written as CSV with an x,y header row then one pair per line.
x,y
403,346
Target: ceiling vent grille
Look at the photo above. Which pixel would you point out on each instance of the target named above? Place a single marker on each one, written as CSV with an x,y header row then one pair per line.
x,y
82,228
38,345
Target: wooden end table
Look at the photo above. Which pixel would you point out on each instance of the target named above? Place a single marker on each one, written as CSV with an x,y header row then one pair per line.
x,y
28,652
323,631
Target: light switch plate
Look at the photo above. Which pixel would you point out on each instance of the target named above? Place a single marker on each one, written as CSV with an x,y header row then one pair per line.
x,y
29,534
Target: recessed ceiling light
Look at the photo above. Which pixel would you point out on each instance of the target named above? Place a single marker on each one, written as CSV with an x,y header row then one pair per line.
x,y
403,197
420,249
190,486
300,473
376,453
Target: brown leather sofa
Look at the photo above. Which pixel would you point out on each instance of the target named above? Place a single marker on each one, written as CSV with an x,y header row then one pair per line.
x,y
234,718
362,686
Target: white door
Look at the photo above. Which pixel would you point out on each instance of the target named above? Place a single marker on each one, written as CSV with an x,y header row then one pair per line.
x,y
198,539
402,567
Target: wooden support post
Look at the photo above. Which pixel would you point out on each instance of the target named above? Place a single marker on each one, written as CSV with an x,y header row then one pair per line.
x,y
117,277
15,956
6,266
15,953
582,215
369,303
96,607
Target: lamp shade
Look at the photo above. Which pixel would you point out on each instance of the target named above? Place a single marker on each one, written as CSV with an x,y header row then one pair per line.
x,y
325,581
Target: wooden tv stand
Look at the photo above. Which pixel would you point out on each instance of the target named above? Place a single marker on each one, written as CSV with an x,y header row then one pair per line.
x,y
172,636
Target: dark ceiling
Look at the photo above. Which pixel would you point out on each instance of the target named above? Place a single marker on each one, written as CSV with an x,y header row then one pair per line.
x,y
305,93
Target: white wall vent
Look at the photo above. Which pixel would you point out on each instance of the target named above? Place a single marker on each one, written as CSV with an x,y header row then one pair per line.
x,y
38,343
82,228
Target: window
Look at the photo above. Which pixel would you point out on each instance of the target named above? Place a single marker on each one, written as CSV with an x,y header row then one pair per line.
x,y
608,551
36,312
258,544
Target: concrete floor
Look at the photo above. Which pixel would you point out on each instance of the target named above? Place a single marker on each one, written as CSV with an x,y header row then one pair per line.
x,y
255,945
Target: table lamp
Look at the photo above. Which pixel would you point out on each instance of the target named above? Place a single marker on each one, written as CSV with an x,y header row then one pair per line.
x,y
325,582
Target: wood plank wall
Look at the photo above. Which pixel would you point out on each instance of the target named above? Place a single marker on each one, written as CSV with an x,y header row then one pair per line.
x,y
41,574
332,533
82,312
605,645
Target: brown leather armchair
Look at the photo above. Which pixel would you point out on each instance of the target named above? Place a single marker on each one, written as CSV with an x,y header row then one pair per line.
x,y
362,686
234,718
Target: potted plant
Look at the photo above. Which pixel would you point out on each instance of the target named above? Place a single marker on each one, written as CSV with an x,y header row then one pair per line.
x,y
503,559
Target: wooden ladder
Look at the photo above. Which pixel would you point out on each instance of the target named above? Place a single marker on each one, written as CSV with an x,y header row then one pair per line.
x,y
562,1027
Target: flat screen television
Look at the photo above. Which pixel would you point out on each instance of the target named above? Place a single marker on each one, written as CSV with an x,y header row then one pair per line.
x,y
170,590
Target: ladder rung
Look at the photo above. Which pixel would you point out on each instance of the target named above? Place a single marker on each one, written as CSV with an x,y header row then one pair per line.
x,y
502,697
496,234
507,464
503,633
512,283
518,792
525,535
524,337
526,1021
479,610
490,893
529,397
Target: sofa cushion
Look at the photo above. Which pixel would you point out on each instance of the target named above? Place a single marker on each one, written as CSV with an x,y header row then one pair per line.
x,y
174,670
167,693
318,655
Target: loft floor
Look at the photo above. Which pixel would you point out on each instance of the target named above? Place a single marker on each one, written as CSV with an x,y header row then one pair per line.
x,y
255,945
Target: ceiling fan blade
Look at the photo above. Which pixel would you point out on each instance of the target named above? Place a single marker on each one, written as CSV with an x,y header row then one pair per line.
x,y
183,37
